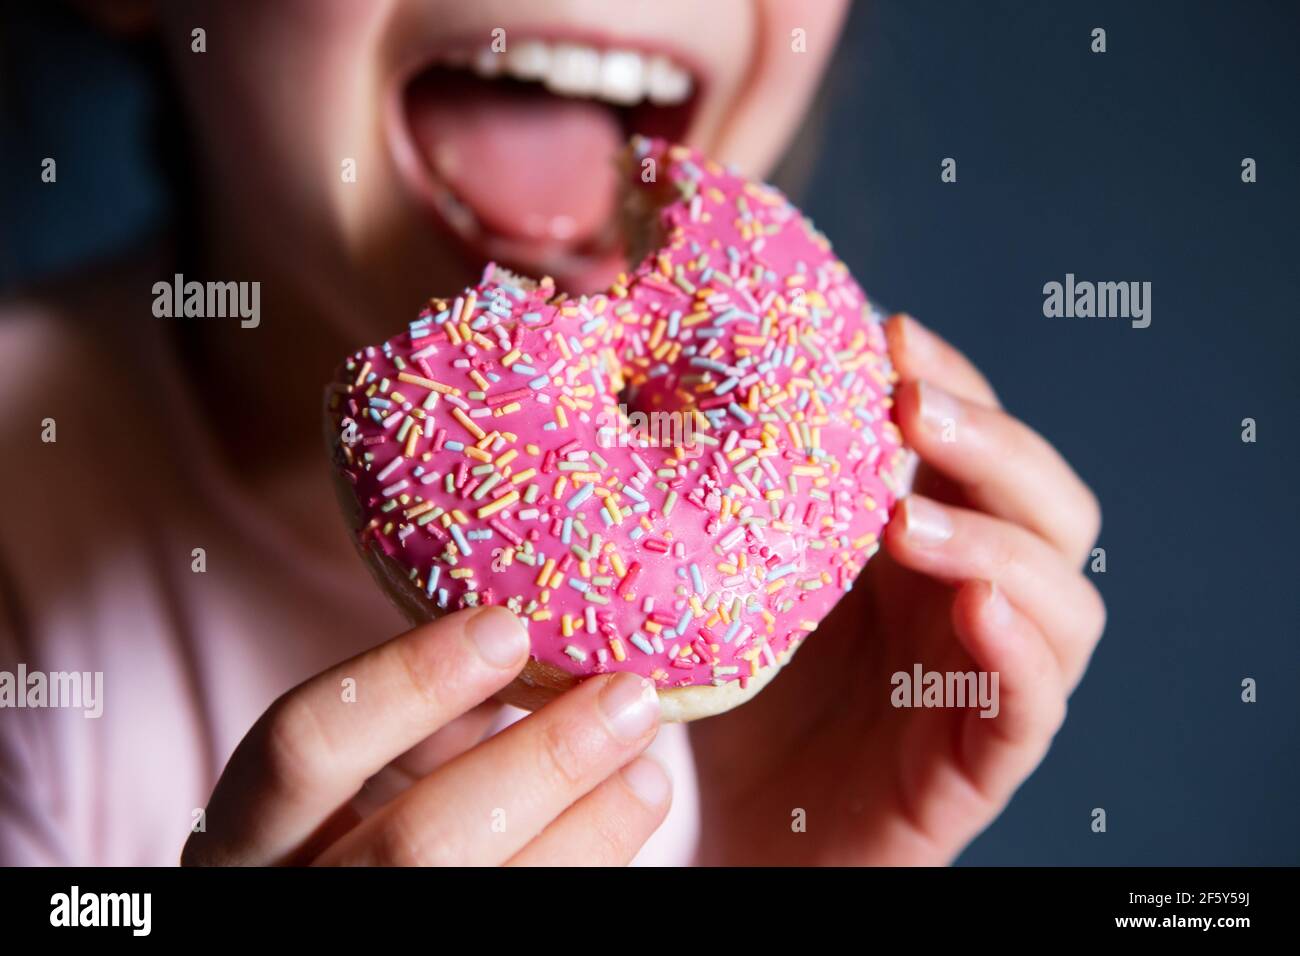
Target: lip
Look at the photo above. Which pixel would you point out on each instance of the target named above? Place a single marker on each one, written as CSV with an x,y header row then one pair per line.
x,y
451,219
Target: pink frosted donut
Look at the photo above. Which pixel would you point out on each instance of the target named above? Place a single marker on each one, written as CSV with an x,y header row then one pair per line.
x,y
695,535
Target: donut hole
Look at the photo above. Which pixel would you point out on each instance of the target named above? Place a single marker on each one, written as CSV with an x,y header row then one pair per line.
x,y
641,209
646,193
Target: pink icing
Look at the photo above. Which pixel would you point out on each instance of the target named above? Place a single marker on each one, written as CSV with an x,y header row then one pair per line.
x,y
483,442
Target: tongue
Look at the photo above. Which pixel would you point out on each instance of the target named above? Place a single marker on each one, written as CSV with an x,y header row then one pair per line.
x,y
528,164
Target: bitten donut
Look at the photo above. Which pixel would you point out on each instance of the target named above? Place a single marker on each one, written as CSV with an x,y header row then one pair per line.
x,y
678,477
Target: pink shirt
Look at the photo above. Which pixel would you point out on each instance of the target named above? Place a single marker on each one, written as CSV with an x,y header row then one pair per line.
x,y
96,575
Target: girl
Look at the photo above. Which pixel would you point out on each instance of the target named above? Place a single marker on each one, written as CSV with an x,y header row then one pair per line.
x,y
172,525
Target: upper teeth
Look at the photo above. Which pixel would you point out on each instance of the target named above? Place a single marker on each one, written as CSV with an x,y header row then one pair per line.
x,y
624,77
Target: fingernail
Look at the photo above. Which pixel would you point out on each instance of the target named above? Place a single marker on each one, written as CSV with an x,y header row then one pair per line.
x,y
939,409
917,339
498,636
926,522
630,704
996,608
648,780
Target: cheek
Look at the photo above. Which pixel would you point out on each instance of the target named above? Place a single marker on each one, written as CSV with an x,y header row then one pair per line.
x,y
793,43
285,98
797,40
277,83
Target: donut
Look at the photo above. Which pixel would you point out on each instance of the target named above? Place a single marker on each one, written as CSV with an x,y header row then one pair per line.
x,y
677,477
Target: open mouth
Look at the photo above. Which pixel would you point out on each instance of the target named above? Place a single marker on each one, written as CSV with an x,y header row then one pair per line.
x,y
514,150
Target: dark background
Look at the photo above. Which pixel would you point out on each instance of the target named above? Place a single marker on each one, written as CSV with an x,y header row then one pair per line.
x,y
1117,166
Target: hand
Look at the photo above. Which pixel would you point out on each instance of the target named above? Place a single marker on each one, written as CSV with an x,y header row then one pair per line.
x,y
980,571
402,776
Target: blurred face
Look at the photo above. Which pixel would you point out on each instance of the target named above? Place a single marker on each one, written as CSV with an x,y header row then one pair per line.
x,y
370,154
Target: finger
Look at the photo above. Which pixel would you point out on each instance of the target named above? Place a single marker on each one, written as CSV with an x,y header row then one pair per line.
x,y
394,778
954,544
425,757
448,742
489,803
919,353
1004,466
1002,744
609,825
316,746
